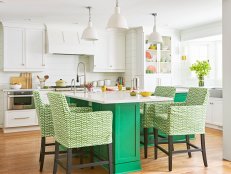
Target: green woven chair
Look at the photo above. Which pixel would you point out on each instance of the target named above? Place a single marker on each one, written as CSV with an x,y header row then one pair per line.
x,y
46,124
182,119
147,114
76,130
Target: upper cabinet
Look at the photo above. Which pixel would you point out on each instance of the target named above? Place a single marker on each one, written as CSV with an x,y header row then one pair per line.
x,y
109,52
67,40
23,48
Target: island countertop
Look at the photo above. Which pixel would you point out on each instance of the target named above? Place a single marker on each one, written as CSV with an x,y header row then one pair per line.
x,y
115,97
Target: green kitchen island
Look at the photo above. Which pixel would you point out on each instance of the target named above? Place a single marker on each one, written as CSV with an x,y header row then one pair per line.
x,y
126,125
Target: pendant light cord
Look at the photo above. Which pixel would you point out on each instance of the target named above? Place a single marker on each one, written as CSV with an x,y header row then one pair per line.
x,y
89,8
117,3
154,27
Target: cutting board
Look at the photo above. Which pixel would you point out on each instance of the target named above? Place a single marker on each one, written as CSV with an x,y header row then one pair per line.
x,y
21,80
28,77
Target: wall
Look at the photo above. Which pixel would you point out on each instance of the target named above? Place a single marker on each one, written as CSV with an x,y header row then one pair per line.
x,y
226,79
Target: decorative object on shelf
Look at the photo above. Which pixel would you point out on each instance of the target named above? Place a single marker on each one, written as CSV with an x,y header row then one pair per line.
x,y
155,37
90,33
151,69
183,57
152,47
42,81
201,68
117,21
120,87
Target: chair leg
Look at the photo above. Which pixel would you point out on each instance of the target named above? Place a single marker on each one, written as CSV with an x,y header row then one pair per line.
x,y
155,143
69,161
188,146
145,142
56,158
170,143
110,158
42,153
92,156
203,150
81,155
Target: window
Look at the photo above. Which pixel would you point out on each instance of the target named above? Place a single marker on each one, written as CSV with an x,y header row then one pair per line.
x,y
210,50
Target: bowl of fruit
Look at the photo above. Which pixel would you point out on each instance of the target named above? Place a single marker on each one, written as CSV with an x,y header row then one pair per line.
x,y
146,93
16,86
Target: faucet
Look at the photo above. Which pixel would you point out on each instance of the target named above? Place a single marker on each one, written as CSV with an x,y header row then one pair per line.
x,y
77,78
73,81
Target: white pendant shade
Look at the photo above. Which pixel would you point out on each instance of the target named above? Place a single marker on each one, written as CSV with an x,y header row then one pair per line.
x,y
155,37
90,33
117,21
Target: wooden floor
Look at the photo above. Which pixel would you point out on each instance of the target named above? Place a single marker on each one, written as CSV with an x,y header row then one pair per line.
x,y
19,154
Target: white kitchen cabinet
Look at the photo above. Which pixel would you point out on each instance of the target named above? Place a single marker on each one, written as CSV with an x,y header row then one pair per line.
x,y
13,49
34,49
23,49
109,52
116,50
214,116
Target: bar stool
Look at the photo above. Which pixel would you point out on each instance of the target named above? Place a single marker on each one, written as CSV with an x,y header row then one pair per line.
x,y
182,119
46,123
148,111
76,130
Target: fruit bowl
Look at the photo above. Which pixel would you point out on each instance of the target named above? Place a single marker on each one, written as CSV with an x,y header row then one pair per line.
x,y
146,94
15,86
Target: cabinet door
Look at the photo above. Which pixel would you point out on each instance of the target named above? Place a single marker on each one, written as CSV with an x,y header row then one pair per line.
x,y
209,113
13,49
116,50
217,112
34,51
100,63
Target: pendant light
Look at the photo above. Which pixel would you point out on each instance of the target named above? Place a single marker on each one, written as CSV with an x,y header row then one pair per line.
x,y
155,37
117,21
90,33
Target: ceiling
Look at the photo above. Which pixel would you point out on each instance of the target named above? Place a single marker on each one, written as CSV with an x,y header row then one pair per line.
x,y
177,14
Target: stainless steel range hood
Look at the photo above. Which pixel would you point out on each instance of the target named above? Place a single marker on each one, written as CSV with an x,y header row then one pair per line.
x,y
66,39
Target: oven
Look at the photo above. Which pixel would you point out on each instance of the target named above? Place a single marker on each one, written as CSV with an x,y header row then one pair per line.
x,y
20,100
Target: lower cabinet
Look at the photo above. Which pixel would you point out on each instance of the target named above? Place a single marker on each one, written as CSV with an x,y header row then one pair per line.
x,y
19,118
214,117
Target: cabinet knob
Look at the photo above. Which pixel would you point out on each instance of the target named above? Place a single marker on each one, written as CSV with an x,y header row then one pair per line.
x,y
94,65
43,64
23,64
110,65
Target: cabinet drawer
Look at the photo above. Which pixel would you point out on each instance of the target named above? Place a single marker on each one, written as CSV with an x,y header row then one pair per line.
x,y
20,118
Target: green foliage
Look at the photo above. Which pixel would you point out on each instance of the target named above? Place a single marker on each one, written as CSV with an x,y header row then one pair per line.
x,y
201,68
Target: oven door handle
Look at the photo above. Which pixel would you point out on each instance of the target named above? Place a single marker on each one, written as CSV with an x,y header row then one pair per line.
x,y
13,96
20,118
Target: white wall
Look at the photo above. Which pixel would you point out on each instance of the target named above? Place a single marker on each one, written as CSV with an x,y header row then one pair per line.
x,y
226,79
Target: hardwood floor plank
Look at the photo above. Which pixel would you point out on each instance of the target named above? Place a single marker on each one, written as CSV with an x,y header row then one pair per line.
x,y
19,154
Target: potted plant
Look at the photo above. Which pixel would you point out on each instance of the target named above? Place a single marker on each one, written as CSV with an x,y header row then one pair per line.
x,y
201,68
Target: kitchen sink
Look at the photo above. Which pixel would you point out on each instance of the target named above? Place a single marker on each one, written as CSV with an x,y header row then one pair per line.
x,y
216,92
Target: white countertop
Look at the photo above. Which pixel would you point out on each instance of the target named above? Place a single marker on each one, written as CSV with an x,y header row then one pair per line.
x,y
33,89
115,97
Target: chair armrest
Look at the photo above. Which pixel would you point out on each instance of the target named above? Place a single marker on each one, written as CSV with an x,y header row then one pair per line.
x,y
191,119
80,109
162,107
